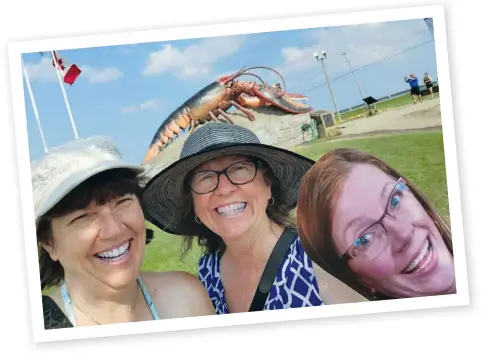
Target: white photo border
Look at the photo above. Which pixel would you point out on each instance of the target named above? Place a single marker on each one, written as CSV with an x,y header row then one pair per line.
x,y
16,49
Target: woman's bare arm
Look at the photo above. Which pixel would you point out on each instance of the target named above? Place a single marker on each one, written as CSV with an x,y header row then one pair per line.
x,y
178,294
334,291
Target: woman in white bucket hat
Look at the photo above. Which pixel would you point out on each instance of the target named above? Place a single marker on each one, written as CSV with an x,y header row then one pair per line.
x,y
235,195
91,234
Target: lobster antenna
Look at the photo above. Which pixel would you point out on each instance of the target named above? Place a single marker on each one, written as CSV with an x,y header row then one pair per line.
x,y
243,71
263,83
236,75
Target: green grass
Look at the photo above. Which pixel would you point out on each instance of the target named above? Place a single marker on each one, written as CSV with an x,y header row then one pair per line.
x,y
164,252
419,156
393,103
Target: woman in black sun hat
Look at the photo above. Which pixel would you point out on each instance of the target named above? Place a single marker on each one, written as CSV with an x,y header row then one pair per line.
x,y
235,194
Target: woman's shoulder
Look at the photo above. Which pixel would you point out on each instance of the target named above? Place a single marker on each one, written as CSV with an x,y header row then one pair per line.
x,y
177,294
176,279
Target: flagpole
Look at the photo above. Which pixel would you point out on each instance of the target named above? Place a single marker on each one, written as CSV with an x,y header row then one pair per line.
x,y
34,105
54,57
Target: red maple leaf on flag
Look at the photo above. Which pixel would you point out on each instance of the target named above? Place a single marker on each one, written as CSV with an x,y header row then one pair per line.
x,y
70,72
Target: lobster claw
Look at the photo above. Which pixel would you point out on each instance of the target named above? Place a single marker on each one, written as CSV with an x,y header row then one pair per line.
x,y
289,102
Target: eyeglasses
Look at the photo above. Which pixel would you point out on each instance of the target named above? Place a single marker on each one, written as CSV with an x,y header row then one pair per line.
x,y
238,173
374,239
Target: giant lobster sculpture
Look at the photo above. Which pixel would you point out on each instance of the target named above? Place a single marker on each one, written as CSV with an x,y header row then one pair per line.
x,y
216,98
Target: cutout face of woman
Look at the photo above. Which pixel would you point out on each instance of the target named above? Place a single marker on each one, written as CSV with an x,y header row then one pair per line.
x,y
390,241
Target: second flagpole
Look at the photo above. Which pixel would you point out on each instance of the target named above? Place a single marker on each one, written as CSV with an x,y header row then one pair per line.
x,y
57,69
34,106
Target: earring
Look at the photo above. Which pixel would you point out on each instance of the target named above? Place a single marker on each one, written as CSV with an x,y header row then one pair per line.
x,y
197,220
373,293
269,203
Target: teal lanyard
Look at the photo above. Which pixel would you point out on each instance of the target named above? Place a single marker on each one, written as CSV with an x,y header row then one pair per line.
x,y
67,302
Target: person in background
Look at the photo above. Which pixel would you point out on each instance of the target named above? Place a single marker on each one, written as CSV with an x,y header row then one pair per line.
x,y
412,80
429,84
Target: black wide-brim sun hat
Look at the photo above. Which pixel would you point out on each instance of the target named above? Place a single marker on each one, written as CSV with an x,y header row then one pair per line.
x,y
163,191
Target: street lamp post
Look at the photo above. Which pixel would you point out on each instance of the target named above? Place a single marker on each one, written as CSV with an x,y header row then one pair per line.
x,y
357,81
321,58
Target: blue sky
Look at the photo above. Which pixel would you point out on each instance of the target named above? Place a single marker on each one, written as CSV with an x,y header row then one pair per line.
x,y
127,91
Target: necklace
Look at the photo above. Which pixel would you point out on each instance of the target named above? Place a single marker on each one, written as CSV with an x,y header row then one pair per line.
x,y
133,307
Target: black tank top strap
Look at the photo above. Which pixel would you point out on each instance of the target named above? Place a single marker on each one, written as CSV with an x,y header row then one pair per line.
x,y
53,317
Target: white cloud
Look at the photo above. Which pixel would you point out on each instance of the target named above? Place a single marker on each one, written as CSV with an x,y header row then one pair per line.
x,y
145,106
41,71
292,54
363,45
194,61
95,76
44,71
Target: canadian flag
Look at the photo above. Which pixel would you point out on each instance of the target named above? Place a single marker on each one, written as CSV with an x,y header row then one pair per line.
x,y
70,72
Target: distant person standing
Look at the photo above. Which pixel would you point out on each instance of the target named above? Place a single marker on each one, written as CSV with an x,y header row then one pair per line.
x,y
429,84
414,83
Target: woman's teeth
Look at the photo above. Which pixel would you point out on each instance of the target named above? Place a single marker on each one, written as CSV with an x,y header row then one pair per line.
x,y
422,260
116,254
233,209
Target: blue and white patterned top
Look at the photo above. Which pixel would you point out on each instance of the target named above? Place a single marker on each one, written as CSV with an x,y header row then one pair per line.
x,y
295,284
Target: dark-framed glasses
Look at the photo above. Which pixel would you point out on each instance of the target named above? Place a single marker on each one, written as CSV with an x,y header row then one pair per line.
x,y
374,239
238,173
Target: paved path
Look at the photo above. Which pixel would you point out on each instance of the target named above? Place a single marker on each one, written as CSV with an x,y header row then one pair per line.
x,y
419,116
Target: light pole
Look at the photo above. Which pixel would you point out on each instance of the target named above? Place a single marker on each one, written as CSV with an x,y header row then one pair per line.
x,y
321,58
357,81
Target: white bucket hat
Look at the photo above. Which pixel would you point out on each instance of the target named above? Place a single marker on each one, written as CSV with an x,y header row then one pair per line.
x,y
66,166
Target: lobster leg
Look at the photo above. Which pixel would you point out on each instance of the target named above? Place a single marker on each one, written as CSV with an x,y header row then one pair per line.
x,y
193,125
221,112
212,116
246,112
153,151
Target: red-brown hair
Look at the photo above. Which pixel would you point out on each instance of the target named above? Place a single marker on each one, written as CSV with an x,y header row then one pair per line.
x,y
317,197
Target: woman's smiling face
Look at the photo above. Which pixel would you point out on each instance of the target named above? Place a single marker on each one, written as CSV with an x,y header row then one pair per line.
x,y
101,243
230,210
393,244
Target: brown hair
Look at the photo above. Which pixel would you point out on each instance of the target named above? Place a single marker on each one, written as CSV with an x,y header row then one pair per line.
x,y
317,197
278,212
100,189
